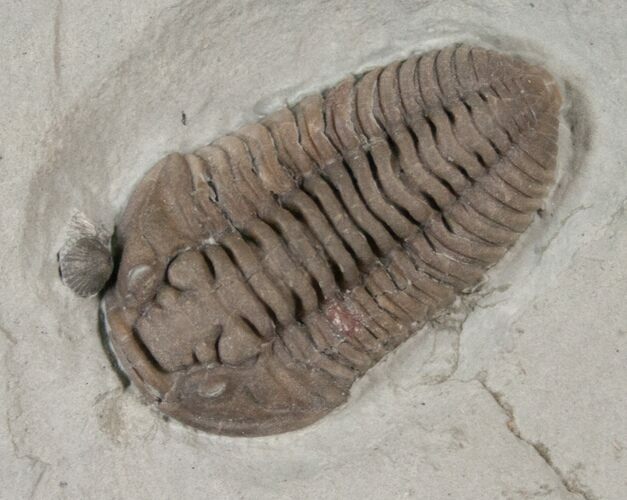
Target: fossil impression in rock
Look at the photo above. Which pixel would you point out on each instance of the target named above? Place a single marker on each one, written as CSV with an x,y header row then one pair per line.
x,y
264,273
85,261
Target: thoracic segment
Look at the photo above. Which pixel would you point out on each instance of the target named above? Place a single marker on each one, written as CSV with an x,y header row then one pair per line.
x,y
264,273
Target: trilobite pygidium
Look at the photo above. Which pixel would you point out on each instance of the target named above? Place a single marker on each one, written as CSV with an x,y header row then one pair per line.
x,y
262,274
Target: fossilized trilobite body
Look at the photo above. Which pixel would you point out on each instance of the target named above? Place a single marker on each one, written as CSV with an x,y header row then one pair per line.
x,y
262,274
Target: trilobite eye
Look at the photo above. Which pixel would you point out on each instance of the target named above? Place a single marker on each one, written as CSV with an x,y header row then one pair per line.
x,y
85,261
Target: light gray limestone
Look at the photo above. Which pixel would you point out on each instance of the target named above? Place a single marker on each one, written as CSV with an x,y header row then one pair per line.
x,y
519,393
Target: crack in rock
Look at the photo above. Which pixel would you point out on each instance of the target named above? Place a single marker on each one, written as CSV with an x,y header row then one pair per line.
x,y
38,465
618,214
572,484
455,318
542,249
39,478
453,321
9,336
35,461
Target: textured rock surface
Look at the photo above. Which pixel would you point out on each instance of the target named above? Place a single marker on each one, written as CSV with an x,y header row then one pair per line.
x,y
265,272
519,395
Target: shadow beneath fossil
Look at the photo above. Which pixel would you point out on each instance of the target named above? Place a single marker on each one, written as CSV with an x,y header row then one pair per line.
x,y
103,333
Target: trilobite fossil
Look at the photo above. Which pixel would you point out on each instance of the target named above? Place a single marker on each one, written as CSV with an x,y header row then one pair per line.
x,y
263,274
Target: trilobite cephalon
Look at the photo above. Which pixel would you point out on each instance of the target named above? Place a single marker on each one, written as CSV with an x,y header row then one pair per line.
x,y
262,274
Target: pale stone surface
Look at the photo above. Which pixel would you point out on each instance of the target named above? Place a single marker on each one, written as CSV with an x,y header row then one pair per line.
x,y
519,393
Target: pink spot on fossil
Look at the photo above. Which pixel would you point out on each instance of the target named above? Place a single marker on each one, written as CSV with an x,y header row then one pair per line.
x,y
342,318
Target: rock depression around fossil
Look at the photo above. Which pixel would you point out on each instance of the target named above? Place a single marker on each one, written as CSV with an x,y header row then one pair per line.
x,y
262,274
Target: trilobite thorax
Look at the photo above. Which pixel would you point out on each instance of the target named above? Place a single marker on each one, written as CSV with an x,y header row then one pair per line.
x,y
262,274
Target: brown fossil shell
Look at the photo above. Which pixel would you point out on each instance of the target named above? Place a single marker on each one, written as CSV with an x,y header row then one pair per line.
x,y
85,262
262,274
